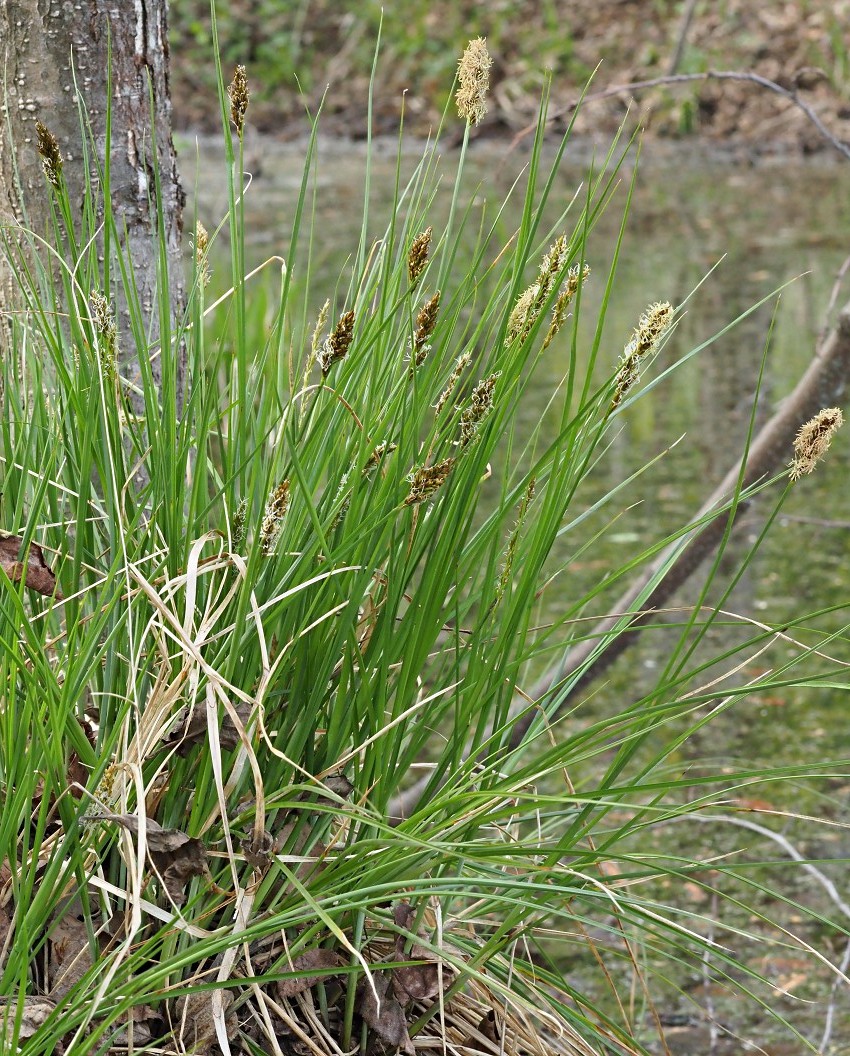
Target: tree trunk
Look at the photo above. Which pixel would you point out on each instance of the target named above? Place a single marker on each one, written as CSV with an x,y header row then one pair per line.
x,y
46,46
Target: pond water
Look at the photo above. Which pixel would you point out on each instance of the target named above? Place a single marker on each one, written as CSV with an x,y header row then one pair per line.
x,y
781,222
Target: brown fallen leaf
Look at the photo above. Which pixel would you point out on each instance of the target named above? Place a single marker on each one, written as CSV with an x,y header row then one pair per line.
x,y
35,1013
70,955
489,1028
383,1014
194,1025
140,1025
414,982
308,963
174,855
185,734
39,576
258,854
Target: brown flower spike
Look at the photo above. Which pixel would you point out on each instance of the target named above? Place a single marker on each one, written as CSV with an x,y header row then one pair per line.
x,y
417,256
480,406
104,324
426,320
239,95
813,440
275,511
51,156
337,344
427,480
650,329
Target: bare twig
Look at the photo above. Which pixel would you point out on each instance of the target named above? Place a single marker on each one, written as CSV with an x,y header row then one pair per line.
x,y
687,78
681,38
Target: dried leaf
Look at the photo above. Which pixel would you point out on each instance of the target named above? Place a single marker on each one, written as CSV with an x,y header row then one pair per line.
x,y
39,577
194,1024
259,856
339,785
308,962
174,855
384,1015
140,1026
35,1013
184,734
414,982
70,955
489,1029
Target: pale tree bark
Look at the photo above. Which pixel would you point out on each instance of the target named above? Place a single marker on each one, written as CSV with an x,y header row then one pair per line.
x,y
48,45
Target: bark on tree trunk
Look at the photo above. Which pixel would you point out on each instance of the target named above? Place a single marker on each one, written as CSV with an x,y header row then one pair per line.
x,y
39,42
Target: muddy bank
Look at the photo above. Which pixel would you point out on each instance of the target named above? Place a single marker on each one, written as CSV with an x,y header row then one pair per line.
x,y
302,56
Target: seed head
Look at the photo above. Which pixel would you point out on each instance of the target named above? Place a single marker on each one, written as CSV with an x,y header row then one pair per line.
x,y
425,323
523,315
651,325
239,95
417,256
459,367
51,156
813,440
103,322
480,406
473,73
553,262
336,345
510,553
530,301
426,480
202,244
565,299
321,319
275,510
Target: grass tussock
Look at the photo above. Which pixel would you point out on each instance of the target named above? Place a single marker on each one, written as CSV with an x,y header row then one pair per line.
x,y
259,787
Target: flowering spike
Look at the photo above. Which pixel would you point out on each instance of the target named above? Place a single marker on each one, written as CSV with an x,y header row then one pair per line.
x,y
651,326
337,344
426,320
51,156
417,256
239,95
276,508
480,406
427,480
473,73
813,440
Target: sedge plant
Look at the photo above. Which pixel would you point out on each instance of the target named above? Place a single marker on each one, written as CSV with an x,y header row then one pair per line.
x,y
260,784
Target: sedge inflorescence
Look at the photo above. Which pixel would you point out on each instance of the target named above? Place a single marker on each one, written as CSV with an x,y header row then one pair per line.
x,y
813,440
651,327
473,74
